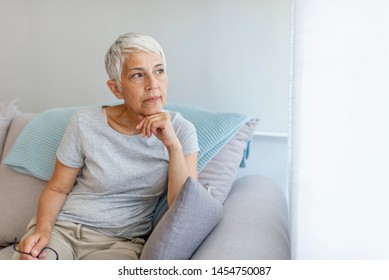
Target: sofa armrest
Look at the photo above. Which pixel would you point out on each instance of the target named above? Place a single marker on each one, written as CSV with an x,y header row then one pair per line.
x,y
254,225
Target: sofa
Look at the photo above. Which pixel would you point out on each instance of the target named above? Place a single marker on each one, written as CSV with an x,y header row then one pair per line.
x,y
251,217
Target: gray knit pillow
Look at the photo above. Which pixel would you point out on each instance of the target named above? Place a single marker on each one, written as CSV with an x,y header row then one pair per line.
x,y
188,221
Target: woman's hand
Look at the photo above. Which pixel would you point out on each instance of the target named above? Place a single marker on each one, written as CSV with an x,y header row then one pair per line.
x,y
161,126
50,204
31,247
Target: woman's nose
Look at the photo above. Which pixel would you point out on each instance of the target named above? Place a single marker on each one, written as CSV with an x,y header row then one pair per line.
x,y
151,83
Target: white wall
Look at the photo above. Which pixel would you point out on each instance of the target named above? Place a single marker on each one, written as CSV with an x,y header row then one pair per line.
x,y
340,130
222,55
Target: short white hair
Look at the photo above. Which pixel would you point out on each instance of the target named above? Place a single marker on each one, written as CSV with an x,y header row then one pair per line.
x,y
124,45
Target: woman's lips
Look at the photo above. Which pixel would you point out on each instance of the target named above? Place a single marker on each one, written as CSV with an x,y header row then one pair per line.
x,y
152,99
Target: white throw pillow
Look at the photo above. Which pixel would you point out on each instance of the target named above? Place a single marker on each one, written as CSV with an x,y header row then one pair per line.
x,y
8,111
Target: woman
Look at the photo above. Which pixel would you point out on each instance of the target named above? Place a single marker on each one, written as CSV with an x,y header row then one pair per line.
x,y
114,163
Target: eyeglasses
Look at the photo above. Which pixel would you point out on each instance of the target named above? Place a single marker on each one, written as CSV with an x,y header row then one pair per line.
x,y
46,248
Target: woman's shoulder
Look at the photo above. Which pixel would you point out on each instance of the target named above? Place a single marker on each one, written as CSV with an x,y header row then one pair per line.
x,y
89,111
173,114
176,117
87,115
179,122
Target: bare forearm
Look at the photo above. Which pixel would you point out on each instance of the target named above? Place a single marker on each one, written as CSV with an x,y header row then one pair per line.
x,y
179,171
50,204
55,194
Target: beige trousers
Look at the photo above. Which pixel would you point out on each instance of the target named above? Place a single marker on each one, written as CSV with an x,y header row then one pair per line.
x,y
75,242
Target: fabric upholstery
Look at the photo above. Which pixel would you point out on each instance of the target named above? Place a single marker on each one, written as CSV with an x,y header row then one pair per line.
x,y
188,221
19,193
219,174
34,151
255,211
8,111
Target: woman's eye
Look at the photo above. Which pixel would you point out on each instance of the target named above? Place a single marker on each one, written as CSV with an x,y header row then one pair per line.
x,y
160,71
137,75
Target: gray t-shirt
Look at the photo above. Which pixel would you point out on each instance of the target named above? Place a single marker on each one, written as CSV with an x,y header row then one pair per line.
x,y
122,176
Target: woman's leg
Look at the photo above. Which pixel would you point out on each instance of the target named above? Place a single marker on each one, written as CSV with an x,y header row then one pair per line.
x,y
97,246
58,244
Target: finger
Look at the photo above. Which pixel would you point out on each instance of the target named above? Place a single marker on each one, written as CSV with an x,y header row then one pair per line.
x,y
24,249
37,249
147,126
154,130
154,125
158,126
142,126
141,123
42,256
27,244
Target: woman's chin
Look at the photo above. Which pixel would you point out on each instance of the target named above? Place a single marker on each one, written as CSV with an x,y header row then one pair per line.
x,y
152,109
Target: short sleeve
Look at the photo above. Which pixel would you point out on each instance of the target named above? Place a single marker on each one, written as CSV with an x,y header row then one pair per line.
x,y
70,151
186,133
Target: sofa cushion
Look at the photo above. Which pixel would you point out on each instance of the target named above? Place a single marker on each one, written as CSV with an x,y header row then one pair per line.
x,y
256,217
19,192
34,151
8,111
189,220
219,174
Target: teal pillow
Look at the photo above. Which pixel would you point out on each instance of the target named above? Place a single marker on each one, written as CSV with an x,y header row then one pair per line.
x,y
34,152
188,221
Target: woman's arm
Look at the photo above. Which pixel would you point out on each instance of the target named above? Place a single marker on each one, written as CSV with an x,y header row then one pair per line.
x,y
180,166
50,204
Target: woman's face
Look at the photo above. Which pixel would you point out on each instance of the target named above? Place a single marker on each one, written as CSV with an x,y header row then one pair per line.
x,y
144,83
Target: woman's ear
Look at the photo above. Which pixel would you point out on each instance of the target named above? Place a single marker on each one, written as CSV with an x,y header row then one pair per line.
x,y
115,88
